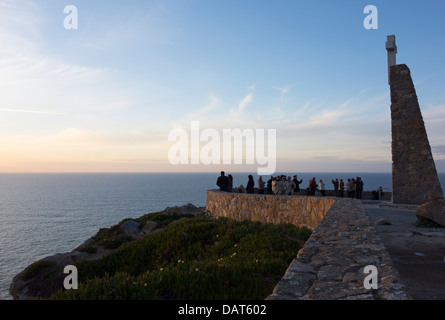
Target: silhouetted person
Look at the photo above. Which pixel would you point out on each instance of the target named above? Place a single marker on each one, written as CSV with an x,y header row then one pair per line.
x,y
230,187
335,183
354,188
222,182
250,184
297,185
359,189
269,185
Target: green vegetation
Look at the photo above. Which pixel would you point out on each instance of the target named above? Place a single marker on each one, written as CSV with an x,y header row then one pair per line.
x,y
199,258
32,270
160,218
113,238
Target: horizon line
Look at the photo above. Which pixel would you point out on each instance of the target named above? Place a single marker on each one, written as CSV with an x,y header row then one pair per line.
x,y
174,172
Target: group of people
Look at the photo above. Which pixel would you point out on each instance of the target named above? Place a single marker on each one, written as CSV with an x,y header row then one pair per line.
x,y
353,187
225,183
282,185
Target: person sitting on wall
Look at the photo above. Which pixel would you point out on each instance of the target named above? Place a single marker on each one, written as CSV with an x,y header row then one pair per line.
x,y
222,182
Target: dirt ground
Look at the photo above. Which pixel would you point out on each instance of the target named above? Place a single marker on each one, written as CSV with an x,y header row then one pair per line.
x,y
418,253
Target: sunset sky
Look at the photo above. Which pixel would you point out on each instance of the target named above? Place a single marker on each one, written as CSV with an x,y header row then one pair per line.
x,y
104,97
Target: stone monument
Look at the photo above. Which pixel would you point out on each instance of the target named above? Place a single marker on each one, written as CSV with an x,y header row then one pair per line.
x,y
392,51
414,174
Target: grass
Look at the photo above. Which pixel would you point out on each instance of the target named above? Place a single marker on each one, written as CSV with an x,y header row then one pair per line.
x,y
199,259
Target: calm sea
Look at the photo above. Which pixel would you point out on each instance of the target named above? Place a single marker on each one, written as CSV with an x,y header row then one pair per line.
x,y
45,214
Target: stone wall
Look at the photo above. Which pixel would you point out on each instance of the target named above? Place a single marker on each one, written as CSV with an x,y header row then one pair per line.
x,y
299,211
415,179
366,195
331,264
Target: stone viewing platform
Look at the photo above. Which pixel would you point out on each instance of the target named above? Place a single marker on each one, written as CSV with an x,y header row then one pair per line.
x,y
299,211
331,264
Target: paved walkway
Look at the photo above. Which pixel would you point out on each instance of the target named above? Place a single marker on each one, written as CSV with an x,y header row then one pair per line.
x,y
418,253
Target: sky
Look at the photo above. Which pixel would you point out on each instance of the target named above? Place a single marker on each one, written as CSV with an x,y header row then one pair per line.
x,y
106,96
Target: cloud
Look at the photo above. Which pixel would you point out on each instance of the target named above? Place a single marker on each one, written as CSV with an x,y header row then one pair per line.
x,y
438,149
283,92
32,78
324,158
107,138
29,111
246,100
434,113
213,103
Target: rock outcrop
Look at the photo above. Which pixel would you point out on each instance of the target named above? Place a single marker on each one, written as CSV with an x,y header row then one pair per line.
x,y
432,211
183,210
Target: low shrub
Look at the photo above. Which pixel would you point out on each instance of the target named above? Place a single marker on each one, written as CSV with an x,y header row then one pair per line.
x,y
32,270
200,258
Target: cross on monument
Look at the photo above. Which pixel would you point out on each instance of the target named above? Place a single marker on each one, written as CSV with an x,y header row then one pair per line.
x,y
392,51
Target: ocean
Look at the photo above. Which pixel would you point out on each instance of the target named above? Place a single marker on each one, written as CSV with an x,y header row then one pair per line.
x,y
45,214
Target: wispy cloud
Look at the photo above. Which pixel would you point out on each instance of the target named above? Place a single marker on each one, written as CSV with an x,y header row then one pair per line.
x,y
29,111
106,138
434,113
283,91
245,101
31,75
439,149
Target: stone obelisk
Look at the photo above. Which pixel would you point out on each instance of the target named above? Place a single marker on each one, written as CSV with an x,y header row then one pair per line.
x,y
414,174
